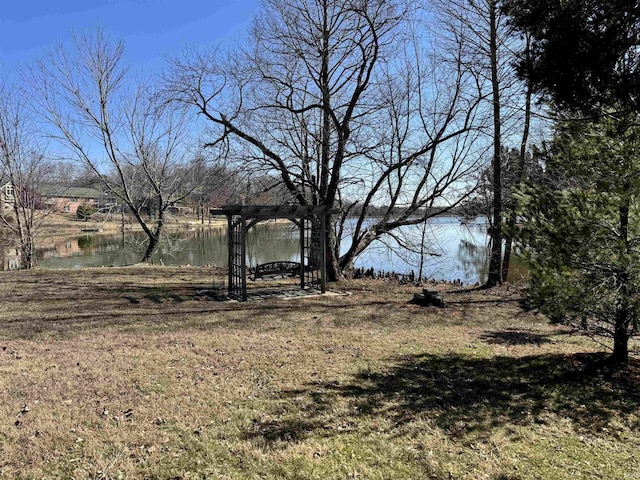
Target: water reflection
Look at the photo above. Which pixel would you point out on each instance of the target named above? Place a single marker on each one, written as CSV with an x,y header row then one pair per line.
x,y
450,251
203,246
454,251
474,259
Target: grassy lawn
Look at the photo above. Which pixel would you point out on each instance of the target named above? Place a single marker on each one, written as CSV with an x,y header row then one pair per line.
x,y
135,373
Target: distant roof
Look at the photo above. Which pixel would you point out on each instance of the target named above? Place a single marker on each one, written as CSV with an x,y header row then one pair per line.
x,y
80,192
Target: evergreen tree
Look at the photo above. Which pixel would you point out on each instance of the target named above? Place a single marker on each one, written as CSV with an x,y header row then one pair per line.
x,y
584,54
581,229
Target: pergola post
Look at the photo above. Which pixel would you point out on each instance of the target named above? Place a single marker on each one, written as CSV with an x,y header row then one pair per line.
x,y
302,245
243,259
323,253
230,252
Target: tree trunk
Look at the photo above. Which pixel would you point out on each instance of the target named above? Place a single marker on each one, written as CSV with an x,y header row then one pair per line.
x,y
621,328
151,247
422,251
620,353
154,237
27,254
334,270
24,223
495,273
520,173
508,246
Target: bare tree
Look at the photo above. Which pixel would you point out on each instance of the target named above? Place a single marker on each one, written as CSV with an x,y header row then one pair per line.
x,y
135,145
489,45
520,167
340,99
24,167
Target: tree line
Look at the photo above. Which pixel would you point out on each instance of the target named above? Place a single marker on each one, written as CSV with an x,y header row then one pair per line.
x,y
386,112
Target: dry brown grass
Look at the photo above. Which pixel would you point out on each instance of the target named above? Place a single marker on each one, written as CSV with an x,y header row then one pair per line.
x,y
134,373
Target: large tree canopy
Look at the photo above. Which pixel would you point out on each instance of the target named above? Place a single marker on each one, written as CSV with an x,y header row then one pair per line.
x,y
581,228
119,131
585,54
344,104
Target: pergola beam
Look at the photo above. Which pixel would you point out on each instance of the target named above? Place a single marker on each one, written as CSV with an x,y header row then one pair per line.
x,y
265,212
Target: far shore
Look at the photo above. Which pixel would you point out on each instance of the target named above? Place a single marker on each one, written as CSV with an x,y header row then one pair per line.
x,y
60,226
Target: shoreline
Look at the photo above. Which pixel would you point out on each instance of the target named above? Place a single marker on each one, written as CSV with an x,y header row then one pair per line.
x,y
62,227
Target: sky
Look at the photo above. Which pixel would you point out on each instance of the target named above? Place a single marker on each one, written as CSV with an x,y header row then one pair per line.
x,y
150,29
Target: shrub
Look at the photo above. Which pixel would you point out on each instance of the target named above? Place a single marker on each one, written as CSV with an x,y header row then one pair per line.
x,y
85,211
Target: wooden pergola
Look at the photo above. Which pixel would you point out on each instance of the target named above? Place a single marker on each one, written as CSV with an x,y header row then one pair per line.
x,y
312,224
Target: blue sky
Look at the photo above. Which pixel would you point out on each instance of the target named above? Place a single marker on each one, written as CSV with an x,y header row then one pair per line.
x,y
150,28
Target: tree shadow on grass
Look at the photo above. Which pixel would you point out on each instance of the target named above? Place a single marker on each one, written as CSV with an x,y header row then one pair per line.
x,y
465,395
516,336
50,304
172,307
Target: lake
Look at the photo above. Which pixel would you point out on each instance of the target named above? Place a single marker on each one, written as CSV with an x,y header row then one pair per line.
x,y
455,251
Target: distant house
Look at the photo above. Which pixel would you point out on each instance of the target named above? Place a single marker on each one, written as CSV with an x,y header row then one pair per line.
x,y
6,194
181,210
9,258
68,199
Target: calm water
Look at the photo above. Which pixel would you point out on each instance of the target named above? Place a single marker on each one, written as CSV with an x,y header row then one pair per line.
x,y
454,251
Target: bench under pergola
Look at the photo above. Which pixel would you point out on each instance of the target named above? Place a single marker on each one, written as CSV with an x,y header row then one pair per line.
x,y
312,224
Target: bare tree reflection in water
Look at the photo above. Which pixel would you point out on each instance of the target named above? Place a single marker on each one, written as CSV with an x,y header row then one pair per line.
x,y
197,247
474,257
442,249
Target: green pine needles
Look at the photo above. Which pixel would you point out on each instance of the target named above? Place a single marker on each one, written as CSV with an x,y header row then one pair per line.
x,y
580,228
